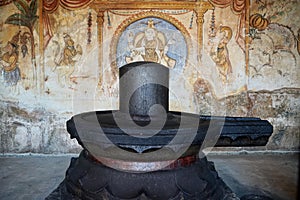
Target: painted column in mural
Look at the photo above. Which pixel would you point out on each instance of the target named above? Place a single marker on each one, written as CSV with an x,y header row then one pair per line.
x,y
100,21
200,11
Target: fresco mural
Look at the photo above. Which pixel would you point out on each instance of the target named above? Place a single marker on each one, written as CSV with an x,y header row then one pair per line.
x,y
225,60
152,39
144,35
70,54
233,55
9,62
274,57
65,61
27,18
220,54
22,20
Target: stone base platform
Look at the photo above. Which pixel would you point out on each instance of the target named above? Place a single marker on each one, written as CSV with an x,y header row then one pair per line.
x,y
89,179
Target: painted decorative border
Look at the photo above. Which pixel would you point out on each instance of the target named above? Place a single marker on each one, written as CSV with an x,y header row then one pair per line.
x,y
198,7
143,15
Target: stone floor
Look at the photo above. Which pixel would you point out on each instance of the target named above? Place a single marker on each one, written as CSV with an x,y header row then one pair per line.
x,y
33,177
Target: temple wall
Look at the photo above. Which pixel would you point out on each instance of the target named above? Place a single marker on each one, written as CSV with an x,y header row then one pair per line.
x,y
223,60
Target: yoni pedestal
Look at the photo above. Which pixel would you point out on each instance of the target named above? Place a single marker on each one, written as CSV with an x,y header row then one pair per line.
x,y
142,151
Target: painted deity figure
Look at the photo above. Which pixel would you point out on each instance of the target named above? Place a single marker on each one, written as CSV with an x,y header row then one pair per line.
x,y
220,54
65,65
150,45
9,62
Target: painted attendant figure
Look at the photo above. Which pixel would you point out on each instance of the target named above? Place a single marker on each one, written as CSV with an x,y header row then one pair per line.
x,y
9,62
220,53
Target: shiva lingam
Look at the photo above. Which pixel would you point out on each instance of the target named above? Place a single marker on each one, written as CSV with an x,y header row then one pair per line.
x,y
145,151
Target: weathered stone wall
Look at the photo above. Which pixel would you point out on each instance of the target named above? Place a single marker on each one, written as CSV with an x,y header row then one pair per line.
x,y
33,131
280,107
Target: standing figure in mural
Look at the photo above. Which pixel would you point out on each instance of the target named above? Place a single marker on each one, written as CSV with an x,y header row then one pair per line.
x,y
65,65
9,62
150,45
220,54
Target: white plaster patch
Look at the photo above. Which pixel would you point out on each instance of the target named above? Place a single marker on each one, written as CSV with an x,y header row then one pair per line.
x,y
36,138
21,136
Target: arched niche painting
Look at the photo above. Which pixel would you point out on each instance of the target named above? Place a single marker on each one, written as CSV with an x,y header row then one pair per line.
x,y
152,39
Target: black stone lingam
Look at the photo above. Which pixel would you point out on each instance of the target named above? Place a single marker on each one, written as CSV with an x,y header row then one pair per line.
x,y
145,151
